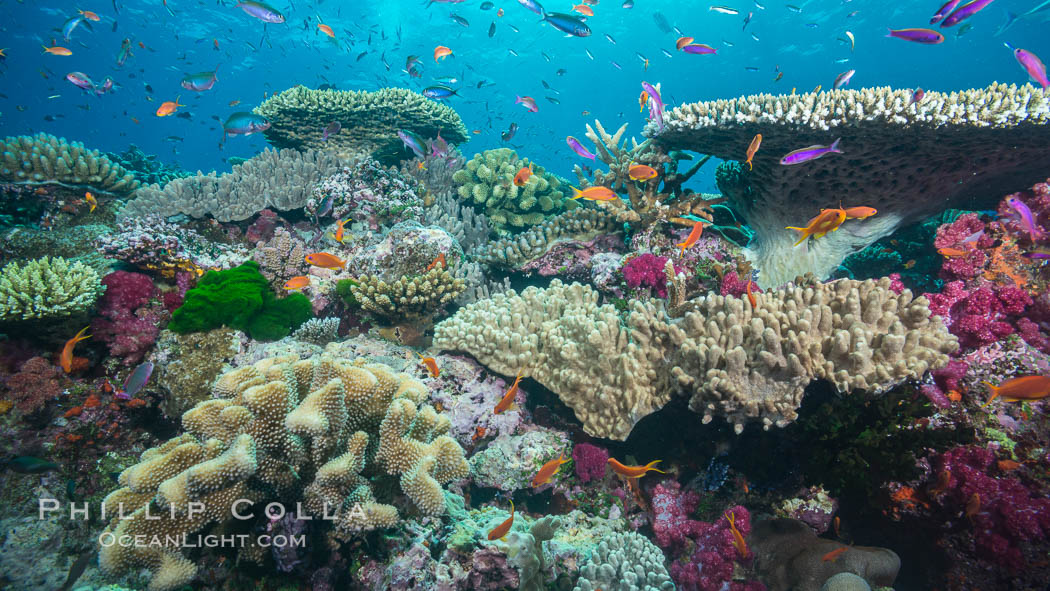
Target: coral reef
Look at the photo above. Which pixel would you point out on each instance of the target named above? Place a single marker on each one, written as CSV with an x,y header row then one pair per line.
x,y
369,194
730,359
282,180
487,184
370,121
47,289
509,462
44,159
146,168
575,226
186,365
874,123
271,425
624,562
153,244
589,461
37,383
240,298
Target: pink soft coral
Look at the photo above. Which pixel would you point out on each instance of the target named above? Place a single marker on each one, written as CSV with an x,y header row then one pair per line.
x,y
589,461
36,383
646,270
128,323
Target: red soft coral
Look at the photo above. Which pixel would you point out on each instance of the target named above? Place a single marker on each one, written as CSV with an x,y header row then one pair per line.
x,y
646,270
128,323
36,383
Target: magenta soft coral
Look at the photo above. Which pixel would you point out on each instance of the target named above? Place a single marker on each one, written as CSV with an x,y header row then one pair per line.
x,y
589,461
646,270
960,235
1008,514
128,323
702,554
983,315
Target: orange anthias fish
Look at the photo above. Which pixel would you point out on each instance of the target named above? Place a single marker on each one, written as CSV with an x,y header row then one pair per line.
x,y
432,365
65,358
91,201
1008,465
438,260
508,399
951,252
168,107
234,103
595,193
826,221
738,540
56,50
441,52
296,283
325,260
91,16
973,505
643,99
694,235
756,143
583,9
339,231
834,554
1022,388
641,172
633,471
943,480
682,42
548,471
326,30
751,296
523,176
860,212
501,530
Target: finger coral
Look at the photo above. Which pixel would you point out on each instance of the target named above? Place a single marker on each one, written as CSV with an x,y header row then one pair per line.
x,y
288,431
727,358
887,161
47,288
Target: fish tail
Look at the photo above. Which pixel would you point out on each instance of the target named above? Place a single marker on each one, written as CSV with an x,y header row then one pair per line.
x,y
650,465
995,393
576,193
889,32
834,147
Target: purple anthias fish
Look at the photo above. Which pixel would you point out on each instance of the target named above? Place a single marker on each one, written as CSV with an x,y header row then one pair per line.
x,y
200,81
578,148
533,6
700,49
125,51
1024,216
411,142
964,12
80,80
656,106
439,147
926,36
811,153
261,11
1033,65
135,381
526,101
944,11
330,130
244,123
843,78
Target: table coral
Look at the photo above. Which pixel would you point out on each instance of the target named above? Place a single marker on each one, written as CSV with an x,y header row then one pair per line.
x,y
881,130
43,159
370,121
285,430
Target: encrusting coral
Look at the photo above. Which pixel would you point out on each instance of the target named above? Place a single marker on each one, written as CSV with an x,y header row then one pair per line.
x,y
730,359
906,159
282,180
417,296
487,183
47,288
285,430
44,159
369,121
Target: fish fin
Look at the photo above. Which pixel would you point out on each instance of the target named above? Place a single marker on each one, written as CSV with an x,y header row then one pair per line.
x,y
995,393
576,193
889,33
835,146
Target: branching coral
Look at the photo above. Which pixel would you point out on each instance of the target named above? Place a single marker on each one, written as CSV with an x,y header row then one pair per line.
x,y
47,288
886,162
315,432
281,257
659,199
282,180
728,358
487,184
44,159
370,121
408,297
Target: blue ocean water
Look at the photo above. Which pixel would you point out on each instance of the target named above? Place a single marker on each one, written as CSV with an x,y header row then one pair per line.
x,y
573,80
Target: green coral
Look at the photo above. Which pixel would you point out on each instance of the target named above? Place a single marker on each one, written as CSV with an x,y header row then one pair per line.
x,y
240,298
487,184
47,288
344,288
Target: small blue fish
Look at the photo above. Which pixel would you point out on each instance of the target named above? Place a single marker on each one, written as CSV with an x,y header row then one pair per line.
x,y
811,153
244,123
566,23
533,6
200,81
261,11
70,25
438,92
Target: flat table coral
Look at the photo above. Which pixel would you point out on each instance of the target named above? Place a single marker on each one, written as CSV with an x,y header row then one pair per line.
x,y
730,359
906,160
44,159
285,430
370,121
